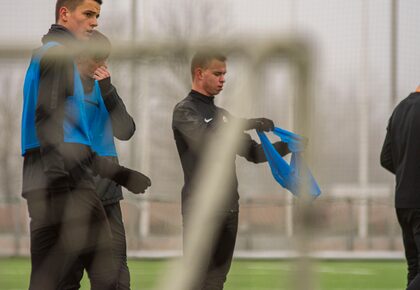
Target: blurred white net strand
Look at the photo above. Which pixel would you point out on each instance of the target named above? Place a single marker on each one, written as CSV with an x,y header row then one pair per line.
x,y
214,173
211,188
358,219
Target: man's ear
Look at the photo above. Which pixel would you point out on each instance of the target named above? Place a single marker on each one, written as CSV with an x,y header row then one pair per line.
x,y
199,73
64,14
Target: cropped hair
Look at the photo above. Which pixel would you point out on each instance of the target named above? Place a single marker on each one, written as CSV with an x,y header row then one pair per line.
x,y
202,59
70,4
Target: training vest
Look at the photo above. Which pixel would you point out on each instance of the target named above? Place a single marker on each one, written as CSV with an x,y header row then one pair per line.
x,y
101,134
75,125
290,176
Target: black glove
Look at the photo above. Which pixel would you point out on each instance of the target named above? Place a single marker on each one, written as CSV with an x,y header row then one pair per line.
x,y
282,148
134,181
260,124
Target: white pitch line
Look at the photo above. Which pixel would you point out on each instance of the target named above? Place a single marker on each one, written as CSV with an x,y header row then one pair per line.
x,y
367,289
271,267
331,270
322,269
271,288
276,288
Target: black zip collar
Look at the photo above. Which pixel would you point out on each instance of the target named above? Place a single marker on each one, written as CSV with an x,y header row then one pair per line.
x,y
201,97
59,34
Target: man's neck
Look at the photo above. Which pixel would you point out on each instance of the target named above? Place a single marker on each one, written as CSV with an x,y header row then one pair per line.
x,y
200,90
63,26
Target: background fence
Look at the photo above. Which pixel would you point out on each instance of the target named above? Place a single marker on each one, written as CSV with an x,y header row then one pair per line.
x,y
363,50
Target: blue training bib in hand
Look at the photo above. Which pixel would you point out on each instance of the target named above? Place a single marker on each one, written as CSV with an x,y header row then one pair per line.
x,y
291,176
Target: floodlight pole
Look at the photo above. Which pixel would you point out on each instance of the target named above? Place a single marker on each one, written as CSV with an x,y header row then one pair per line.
x,y
143,129
291,122
133,85
394,86
394,52
364,123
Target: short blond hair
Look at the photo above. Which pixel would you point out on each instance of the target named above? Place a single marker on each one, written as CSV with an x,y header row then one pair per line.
x,y
202,59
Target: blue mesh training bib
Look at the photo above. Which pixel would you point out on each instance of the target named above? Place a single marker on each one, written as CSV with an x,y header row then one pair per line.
x,y
75,126
101,134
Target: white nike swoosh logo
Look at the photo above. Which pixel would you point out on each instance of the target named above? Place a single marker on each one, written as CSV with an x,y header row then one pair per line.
x,y
207,120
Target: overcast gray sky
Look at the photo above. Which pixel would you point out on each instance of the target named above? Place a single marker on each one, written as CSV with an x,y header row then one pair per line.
x,y
333,25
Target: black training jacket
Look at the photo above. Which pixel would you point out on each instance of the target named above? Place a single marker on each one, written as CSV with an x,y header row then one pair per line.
x,y
194,121
401,151
57,166
123,128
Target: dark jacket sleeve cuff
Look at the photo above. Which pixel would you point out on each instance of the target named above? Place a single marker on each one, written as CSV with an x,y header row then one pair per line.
x,y
105,86
108,96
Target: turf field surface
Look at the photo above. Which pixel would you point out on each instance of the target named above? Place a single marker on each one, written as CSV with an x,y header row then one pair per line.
x,y
247,275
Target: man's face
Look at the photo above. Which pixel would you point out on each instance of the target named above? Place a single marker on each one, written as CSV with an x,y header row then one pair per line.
x,y
82,20
87,66
213,77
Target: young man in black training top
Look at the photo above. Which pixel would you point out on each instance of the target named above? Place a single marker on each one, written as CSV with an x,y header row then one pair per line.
x,y
108,118
195,119
401,156
67,217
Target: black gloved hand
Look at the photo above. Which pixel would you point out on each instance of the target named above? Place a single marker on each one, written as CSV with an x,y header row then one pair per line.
x,y
260,124
132,180
282,148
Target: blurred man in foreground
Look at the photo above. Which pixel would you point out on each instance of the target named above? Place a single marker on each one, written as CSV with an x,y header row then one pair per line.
x,y
107,118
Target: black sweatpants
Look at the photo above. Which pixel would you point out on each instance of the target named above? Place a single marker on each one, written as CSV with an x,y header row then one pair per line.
x,y
213,273
64,227
119,249
409,220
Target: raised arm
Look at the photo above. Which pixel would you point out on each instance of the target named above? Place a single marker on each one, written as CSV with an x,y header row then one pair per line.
x,y
122,123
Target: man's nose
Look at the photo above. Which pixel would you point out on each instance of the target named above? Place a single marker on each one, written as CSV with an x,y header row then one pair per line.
x,y
94,22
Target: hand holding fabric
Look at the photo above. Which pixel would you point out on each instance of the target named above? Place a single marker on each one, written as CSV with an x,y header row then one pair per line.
x,y
260,124
282,148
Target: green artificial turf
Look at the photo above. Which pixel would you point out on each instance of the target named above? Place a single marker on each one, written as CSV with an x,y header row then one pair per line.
x,y
248,275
